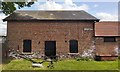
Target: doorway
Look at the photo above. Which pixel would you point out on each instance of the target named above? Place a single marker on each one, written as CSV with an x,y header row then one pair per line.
x,y
50,48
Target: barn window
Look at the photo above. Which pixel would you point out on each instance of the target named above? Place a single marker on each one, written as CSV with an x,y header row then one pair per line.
x,y
109,39
27,45
73,46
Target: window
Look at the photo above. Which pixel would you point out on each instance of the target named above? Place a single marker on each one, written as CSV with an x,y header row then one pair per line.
x,y
109,39
27,45
73,46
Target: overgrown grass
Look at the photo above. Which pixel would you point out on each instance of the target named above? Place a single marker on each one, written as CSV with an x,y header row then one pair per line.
x,y
63,65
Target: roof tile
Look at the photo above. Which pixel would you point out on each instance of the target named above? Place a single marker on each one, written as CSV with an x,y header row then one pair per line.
x,y
51,15
107,28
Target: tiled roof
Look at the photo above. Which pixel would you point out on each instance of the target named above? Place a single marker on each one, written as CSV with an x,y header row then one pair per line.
x,y
51,15
107,28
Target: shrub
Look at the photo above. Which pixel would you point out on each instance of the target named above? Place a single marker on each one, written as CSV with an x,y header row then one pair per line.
x,y
119,57
84,59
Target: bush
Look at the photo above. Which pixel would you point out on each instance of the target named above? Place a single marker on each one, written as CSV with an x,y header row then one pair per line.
x,y
84,59
119,57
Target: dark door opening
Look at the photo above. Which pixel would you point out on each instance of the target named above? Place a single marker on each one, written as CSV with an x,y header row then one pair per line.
x,y
50,49
73,46
27,46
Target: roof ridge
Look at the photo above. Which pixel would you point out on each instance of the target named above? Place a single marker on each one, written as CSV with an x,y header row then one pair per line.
x,y
52,10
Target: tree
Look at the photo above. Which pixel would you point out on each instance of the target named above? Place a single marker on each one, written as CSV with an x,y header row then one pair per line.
x,y
10,7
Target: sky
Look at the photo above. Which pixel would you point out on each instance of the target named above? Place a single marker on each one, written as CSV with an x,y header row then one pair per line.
x,y
102,9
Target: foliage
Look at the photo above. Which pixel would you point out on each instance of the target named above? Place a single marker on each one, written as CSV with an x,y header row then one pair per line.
x,y
10,7
84,59
119,57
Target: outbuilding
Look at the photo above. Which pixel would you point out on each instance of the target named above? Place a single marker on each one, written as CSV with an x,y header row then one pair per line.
x,y
107,40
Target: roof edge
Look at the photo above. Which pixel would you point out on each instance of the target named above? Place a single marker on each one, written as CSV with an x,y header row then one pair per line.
x,y
107,36
97,20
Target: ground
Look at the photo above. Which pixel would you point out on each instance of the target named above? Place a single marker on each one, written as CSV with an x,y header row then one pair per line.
x,y
69,64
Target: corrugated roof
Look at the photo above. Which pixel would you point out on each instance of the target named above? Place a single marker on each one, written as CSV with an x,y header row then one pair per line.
x,y
107,28
50,15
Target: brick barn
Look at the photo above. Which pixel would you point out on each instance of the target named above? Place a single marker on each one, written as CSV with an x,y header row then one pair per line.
x,y
52,32
107,40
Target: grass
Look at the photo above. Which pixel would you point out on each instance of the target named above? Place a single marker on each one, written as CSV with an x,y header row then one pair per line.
x,y
0,67
63,65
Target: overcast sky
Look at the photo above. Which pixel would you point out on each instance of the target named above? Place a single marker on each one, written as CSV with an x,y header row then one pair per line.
x,y
105,10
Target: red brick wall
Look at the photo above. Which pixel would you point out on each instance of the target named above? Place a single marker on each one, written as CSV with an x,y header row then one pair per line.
x,y
41,31
105,48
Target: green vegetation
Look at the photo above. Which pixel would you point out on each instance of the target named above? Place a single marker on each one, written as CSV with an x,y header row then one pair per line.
x,y
0,67
10,7
71,64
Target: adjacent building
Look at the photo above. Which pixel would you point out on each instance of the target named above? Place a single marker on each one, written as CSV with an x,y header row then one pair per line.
x,y
107,39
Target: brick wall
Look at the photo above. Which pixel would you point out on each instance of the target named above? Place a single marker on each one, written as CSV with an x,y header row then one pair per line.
x,y
41,31
106,50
